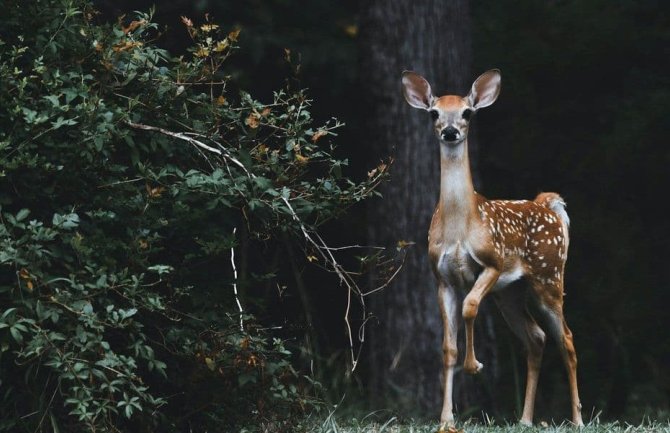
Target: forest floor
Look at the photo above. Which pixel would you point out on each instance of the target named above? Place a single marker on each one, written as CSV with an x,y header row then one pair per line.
x,y
331,425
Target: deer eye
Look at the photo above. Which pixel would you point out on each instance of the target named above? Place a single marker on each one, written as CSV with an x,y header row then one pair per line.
x,y
467,113
434,114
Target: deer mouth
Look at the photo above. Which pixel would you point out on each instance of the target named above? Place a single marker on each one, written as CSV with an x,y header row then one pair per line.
x,y
453,143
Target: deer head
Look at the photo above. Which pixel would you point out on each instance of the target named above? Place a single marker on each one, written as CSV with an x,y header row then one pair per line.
x,y
451,114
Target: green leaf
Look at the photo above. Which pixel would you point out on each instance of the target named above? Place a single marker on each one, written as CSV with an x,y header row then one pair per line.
x,y
53,99
61,121
8,312
16,334
22,214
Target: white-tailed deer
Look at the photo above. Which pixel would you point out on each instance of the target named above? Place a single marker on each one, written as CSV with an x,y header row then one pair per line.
x,y
479,246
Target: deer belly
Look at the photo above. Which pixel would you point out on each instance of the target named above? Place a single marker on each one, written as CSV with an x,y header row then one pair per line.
x,y
457,268
509,276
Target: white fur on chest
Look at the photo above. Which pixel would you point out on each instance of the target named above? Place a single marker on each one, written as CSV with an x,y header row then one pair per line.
x,y
457,266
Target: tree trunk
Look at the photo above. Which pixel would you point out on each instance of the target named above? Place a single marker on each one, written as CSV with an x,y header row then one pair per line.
x,y
405,354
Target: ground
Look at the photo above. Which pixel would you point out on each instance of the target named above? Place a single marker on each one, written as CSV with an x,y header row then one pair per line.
x,y
331,425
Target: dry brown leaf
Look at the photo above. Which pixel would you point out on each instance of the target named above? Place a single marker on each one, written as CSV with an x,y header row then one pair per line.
x,y
253,121
202,51
262,149
133,25
351,30
301,159
252,361
208,27
24,274
156,192
187,22
126,45
318,134
234,35
221,45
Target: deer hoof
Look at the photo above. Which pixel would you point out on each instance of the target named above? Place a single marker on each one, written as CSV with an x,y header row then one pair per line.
x,y
473,367
447,425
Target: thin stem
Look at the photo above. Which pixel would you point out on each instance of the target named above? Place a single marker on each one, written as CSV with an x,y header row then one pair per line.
x,y
237,297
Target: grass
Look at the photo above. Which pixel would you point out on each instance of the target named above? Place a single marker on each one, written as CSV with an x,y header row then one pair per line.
x,y
392,425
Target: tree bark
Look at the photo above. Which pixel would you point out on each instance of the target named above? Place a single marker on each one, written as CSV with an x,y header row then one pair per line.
x,y
405,354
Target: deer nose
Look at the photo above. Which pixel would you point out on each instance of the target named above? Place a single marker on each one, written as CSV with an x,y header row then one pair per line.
x,y
450,133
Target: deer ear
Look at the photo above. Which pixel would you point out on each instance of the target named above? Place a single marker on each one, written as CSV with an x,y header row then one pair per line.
x,y
416,90
485,89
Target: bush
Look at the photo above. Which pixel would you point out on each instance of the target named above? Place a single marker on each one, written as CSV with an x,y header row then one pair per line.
x,y
129,176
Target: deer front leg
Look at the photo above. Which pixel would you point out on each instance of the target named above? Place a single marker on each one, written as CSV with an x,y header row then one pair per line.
x,y
484,282
449,311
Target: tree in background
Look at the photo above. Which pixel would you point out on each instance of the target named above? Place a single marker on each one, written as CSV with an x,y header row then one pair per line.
x,y
434,39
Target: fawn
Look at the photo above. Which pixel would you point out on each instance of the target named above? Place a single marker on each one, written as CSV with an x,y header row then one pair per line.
x,y
479,246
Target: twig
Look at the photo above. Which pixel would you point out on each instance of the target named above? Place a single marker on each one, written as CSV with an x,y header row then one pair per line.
x,y
47,409
188,136
120,182
178,135
387,282
327,255
237,297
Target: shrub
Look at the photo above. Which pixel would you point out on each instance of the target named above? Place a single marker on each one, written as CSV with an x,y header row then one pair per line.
x,y
129,176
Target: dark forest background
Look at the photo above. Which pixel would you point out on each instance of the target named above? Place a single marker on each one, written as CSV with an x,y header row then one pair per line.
x,y
583,112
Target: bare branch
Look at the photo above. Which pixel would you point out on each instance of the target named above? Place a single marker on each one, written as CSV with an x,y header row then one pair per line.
x,y
187,136
237,297
178,135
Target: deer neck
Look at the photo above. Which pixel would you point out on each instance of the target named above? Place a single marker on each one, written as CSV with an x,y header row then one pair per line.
x,y
457,195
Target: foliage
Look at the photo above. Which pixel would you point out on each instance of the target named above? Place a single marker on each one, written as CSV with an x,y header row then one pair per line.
x,y
129,176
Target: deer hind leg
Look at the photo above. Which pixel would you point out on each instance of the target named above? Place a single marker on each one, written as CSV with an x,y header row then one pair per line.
x,y
484,282
449,310
512,305
551,297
